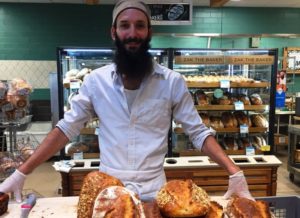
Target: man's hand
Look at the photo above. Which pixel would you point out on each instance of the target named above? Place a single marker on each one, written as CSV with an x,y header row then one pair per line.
x,y
238,186
14,184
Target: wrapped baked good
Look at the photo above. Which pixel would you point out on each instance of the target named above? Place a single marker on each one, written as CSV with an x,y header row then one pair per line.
x,y
4,199
242,118
76,147
7,164
259,120
18,101
117,201
256,99
201,98
243,207
228,120
243,143
226,99
258,141
215,122
93,183
19,86
182,198
205,119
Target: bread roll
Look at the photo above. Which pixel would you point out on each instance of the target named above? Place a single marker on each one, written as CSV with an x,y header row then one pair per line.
x,y
182,198
230,143
228,120
243,207
117,202
93,184
242,118
245,99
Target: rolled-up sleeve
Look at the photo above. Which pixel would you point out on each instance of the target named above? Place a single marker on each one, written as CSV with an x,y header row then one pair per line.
x,y
81,111
185,113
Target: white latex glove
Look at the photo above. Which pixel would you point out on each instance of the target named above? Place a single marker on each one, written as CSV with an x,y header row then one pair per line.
x,y
14,183
238,186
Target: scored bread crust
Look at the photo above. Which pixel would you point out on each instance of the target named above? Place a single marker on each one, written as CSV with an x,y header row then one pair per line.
x,y
215,210
182,198
118,202
93,183
245,208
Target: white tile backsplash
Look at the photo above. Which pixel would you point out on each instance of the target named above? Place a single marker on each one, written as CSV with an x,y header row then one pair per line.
x,y
34,72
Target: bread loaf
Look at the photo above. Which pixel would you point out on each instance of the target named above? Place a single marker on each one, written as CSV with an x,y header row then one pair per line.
x,y
215,122
4,198
182,198
228,120
205,119
242,118
230,143
201,98
256,99
117,201
93,184
215,211
259,120
243,207
245,99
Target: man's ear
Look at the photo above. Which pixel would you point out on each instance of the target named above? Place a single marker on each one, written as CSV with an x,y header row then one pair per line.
x,y
113,33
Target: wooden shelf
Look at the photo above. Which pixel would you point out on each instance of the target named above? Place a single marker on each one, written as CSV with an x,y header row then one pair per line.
x,y
230,130
228,152
256,84
231,107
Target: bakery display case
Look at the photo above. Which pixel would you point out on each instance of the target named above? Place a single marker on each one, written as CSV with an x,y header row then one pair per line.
x,y
234,92
73,65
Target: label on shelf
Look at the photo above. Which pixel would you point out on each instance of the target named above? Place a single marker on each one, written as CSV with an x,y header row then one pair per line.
x,y
97,131
225,83
250,150
78,156
265,148
74,85
244,129
239,106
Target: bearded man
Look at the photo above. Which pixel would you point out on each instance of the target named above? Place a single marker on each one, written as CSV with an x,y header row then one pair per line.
x,y
135,99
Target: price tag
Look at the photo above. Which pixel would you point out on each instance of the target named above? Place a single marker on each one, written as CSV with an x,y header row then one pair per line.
x,y
250,150
239,106
265,148
96,131
244,129
78,156
75,85
225,83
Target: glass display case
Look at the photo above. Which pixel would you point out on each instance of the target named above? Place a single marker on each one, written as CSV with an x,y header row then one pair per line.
x,y
73,65
234,92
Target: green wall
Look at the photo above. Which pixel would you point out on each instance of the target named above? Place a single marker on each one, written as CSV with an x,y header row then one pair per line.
x,y
33,31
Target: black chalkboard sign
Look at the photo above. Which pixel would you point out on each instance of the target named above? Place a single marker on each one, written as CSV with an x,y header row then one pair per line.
x,y
171,13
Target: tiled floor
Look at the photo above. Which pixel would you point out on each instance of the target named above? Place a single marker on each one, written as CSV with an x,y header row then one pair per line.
x,y
46,181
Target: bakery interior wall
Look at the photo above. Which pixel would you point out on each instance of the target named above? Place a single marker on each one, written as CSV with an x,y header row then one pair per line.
x,y
30,33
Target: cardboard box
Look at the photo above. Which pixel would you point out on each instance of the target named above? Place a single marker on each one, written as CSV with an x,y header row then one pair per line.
x,y
280,139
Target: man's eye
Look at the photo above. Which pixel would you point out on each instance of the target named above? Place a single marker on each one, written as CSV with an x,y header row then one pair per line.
x,y
124,26
141,26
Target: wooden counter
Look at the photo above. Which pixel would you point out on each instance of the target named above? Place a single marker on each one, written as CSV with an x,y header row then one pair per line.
x,y
260,172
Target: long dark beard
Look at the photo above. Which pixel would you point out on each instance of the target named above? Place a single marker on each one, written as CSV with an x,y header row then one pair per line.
x,y
133,64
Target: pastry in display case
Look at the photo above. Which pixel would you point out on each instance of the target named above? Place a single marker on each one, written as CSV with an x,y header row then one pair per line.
x,y
73,65
233,91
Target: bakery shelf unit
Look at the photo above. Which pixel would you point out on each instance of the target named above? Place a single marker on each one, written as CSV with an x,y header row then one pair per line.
x,y
73,64
234,92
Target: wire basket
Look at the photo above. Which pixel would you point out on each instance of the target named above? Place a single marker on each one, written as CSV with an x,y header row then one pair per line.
x,y
8,164
283,206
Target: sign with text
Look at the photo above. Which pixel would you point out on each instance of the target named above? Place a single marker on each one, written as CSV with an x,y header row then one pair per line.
x,y
171,12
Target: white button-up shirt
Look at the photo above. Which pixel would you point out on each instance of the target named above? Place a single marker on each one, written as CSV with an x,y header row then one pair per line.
x,y
133,144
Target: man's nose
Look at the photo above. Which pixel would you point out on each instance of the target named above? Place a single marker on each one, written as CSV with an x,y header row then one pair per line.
x,y
132,31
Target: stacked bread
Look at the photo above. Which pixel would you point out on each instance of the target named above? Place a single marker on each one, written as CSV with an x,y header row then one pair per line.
x,y
259,120
14,98
216,78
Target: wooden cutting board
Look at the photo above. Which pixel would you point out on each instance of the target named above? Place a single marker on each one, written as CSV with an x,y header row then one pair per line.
x,y
58,207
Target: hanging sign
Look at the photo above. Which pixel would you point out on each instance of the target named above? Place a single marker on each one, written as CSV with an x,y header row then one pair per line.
x,y
280,89
171,12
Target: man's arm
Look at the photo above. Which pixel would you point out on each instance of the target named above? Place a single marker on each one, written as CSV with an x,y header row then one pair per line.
x,y
54,142
212,149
